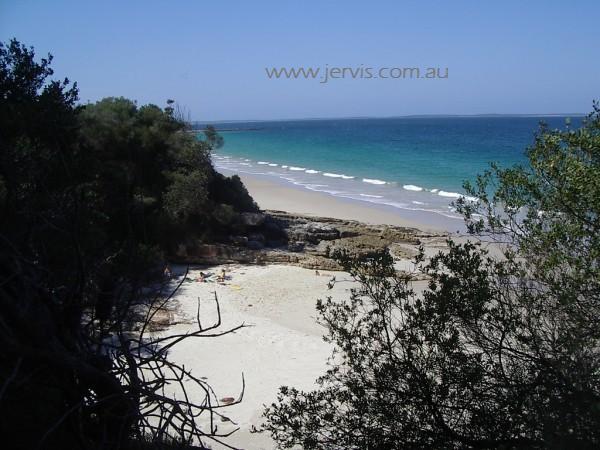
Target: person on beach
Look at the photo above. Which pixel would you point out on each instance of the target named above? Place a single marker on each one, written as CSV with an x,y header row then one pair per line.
x,y
201,278
167,272
221,278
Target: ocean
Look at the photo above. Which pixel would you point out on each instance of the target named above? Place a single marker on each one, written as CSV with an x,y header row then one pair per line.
x,y
411,164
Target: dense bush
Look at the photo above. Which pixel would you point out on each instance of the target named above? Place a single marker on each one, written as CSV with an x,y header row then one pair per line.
x,y
91,198
231,191
155,169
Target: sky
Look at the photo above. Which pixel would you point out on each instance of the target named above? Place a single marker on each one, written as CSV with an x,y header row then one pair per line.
x,y
503,57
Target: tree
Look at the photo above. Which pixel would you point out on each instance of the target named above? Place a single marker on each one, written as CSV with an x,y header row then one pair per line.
x,y
87,194
500,350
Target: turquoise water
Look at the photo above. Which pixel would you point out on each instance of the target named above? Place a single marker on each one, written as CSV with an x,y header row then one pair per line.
x,y
409,164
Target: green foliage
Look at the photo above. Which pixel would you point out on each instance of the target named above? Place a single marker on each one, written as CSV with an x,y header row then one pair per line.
x,y
501,350
231,191
186,195
214,139
225,214
550,211
91,198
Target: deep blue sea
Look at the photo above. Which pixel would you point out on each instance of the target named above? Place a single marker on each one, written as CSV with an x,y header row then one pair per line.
x,y
409,164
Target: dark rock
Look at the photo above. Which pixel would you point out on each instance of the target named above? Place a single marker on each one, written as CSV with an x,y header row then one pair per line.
x,y
322,231
297,234
296,246
199,252
272,228
313,232
310,241
205,250
256,237
239,240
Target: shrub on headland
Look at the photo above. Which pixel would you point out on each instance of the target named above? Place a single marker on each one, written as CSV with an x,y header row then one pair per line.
x,y
231,191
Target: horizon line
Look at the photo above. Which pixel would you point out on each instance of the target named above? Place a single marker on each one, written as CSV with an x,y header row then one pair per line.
x,y
408,116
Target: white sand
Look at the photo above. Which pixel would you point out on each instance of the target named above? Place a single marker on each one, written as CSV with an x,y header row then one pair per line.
x,y
271,195
282,344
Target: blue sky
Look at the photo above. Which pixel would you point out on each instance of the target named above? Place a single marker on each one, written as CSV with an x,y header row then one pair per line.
x,y
502,57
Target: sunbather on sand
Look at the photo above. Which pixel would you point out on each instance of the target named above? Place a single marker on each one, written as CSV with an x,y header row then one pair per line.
x,y
221,278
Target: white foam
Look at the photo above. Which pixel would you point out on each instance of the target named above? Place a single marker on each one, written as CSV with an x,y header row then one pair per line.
x,y
336,193
434,191
337,175
412,187
284,167
449,194
245,164
457,195
417,202
263,163
312,171
373,181
273,164
297,168
371,196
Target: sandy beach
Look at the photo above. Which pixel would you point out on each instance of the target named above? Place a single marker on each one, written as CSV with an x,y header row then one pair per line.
x,y
282,342
270,194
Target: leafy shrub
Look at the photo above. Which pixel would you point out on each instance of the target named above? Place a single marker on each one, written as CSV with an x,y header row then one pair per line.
x,y
499,351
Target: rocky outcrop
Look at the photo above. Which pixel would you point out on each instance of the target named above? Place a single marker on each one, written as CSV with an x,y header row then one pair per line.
x,y
312,232
282,238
